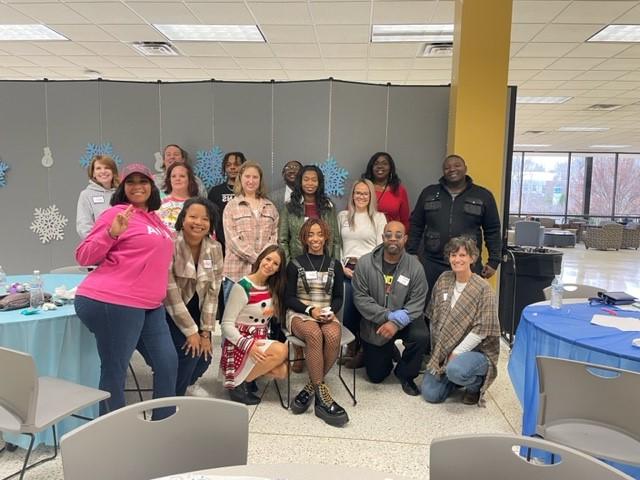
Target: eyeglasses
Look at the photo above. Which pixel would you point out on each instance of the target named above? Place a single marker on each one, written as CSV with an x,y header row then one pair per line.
x,y
396,235
292,168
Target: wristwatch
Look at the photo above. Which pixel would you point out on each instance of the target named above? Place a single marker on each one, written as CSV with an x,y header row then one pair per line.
x,y
307,310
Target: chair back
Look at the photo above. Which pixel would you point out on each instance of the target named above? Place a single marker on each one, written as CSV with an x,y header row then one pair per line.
x,y
529,233
203,433
19,384
595,394
488,457
575,290
70,269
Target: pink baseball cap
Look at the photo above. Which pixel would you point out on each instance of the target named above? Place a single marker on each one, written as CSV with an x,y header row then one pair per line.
x,y
136,168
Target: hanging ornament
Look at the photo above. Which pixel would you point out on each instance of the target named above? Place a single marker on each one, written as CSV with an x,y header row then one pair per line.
x,y
47,158
159,163
209,166
94,149
48,223
334,177
4,167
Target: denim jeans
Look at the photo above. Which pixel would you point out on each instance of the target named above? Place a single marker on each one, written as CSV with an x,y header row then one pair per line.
x,y
466,370
227,285
118,330
190,369
350,314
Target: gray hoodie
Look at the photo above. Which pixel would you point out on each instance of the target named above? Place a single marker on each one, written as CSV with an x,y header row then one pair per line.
x,y
408,291
92,201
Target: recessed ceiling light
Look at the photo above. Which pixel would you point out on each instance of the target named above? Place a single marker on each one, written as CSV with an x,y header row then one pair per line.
x,y
583,129
29,32
531,145
609,146
617,33
542,99
412,33
211,33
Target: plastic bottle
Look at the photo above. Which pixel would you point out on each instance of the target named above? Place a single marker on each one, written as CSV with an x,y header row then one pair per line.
x,y
3,281
36,293
556,292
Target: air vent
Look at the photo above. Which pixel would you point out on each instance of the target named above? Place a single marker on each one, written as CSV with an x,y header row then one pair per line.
x,y
607,107
442,49
533,132
155,48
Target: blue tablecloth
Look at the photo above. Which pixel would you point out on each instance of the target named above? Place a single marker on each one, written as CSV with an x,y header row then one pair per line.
x,y
60,344
566,333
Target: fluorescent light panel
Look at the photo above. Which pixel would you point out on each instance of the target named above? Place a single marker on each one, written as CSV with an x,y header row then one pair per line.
x,y
617,33
28,32
412,33
583,129
609,146
531,145
526,99
211,33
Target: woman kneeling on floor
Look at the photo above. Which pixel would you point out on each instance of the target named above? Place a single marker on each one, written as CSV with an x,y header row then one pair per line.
x,y
246,352
465,332
314,295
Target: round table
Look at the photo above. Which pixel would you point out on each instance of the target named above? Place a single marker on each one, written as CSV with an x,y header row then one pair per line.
x,y
60,344
289,472
566,333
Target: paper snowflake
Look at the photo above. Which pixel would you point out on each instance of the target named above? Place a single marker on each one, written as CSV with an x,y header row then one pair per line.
x,y
48,223
209,166
4,167
334,177
94,149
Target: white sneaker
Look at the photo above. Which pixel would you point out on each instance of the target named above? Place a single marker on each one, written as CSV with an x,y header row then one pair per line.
x,y
196,391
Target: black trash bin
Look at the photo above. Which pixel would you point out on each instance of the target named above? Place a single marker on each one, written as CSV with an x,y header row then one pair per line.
x,y
525,272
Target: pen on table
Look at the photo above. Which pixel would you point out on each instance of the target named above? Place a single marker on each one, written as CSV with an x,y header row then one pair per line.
x,y
610,311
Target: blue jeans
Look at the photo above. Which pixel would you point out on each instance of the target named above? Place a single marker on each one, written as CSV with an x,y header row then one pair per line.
x,y
466,370
190,369
118,330
227,285
350,314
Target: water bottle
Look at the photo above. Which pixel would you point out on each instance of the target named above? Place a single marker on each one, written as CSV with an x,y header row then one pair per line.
x,y
36,293
3,281
556,292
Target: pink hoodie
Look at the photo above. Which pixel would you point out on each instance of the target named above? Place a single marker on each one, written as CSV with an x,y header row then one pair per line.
x,y
133,270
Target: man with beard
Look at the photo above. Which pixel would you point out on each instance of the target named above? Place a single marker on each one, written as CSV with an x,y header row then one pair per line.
x,y
389,290
281,196
454,207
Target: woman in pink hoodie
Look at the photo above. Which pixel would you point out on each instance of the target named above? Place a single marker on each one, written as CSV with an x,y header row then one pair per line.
x,y
121,300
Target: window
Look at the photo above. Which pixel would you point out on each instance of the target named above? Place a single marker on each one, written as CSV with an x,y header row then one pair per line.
x,y
627,191
602,180
544,183
577,179
516,170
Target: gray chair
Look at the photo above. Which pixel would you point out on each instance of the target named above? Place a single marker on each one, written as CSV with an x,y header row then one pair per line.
x,y
29,404
591,408
529,233
575,290
491,457
203,433
346,337
72,269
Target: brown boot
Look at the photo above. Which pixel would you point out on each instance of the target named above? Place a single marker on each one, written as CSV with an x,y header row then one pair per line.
x,y
298,364
349,354
357,361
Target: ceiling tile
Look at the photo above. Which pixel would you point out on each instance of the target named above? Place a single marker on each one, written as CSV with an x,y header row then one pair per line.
x,y
394,50
261,63
295,50
12,16
529,63
341,13
387,75
171,62
600,75
344,50
248,50
14,61
38,72
541,50
574,63
228,75
434,63
267,75
632,16
216,13
534,11
521,75
444,12
63,48
630,77
134,33
51,13
288,33
124,62
22,48
557,74
109,48
403,12
390,63
560,32
148,73
308,74
515,48
173,13
594,50
189,73
334,64
593,12
524,32
48,61
281,13
439,75
302,63
619,64
583,84
350,75
214,62
81,33
93,62
204,49
107,13
343,33
543,84
631,52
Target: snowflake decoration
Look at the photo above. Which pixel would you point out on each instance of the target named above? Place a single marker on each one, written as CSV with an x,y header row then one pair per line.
x,y
4,167
334,177
94,149
208,166
48,224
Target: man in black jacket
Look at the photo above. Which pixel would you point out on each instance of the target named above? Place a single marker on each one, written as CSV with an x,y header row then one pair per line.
x,y
454,206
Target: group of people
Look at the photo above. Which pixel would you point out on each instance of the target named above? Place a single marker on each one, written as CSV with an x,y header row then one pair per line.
x,y
256,260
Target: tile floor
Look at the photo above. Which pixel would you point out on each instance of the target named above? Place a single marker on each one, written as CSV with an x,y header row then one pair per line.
x,y
389,431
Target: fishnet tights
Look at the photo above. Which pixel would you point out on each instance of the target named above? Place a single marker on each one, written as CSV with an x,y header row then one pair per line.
x,y
323,345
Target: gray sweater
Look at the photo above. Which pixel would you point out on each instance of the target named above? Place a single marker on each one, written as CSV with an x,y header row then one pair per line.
x,y
408,291
92,201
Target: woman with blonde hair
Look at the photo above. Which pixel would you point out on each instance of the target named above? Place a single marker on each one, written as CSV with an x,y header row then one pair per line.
x,y
361,229
250,223
94,199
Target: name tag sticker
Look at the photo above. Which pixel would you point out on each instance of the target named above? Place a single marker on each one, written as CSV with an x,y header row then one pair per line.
x,y
98,199
403,280
207,263
311,275
444,296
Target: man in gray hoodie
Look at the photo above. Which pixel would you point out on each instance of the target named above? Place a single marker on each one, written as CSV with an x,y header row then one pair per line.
x,y
389,291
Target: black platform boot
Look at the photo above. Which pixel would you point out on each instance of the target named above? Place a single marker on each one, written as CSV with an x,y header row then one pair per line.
x,y
302,401
327,409
241,394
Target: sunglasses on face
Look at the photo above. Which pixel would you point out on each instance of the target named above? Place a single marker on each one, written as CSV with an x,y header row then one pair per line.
x,y
396,235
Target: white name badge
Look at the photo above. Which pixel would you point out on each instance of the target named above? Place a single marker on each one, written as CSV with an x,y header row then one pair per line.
x,y
207,263
403,280
311,275
98,199
345,224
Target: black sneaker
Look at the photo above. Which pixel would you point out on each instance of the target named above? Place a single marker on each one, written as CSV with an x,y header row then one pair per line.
x,y
328,410
408,386
252,386
241,394
471,398
302,401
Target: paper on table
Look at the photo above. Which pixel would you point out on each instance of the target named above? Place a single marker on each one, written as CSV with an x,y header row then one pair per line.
x,y
201,476
621,323
628,308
